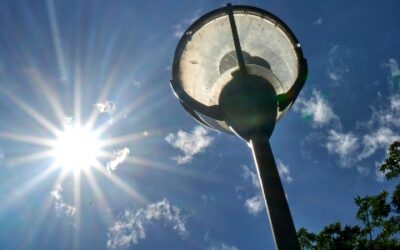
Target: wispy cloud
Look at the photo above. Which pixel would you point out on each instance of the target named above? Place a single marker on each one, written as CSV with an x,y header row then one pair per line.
x,y
207,198
105,107
254,204
337,66
179,28
385,119
284,172
379,139
393,66
68,120
137,83
250,175
387,114
119,157
338,143
222,246
368,137
217,245
395,104
60,206
189,143
342,144
317,109
318,22
130,227
392,114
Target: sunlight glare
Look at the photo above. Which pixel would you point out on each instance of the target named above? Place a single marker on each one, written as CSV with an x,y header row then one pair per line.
x,y
77,148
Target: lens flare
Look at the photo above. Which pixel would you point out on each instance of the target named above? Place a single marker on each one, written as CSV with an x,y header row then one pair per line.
x,y
76,149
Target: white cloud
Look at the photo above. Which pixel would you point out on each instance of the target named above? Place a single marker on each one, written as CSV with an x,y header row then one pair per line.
x,y
393,66
222,246
380,139
388,116
180,28
385,120
334,76
130,227
392,115
119,157
316,108
371,136
284,171
342,144
207,198
318,21
105,107
363,170
60,206
395,103
68,120
189,143
217,245
255,204
137,84
337,67
248,174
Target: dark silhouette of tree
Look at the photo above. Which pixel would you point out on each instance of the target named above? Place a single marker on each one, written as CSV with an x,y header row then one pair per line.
x,y
379,217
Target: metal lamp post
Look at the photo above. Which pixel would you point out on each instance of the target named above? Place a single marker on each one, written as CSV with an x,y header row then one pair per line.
x,y
238,70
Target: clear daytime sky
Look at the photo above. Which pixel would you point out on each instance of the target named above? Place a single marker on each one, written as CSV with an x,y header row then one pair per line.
x,y
97,153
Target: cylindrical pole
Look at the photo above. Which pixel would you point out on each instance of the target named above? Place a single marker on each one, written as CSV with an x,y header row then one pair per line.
x,y
278,210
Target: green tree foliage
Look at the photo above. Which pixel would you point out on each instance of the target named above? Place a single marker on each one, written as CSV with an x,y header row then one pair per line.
x,y
391,166
379,216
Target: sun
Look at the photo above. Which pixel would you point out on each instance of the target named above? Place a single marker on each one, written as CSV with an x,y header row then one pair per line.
x,y
76,148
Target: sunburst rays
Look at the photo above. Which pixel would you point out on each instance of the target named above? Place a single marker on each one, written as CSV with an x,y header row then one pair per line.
x,y
46,144
42,148
46,101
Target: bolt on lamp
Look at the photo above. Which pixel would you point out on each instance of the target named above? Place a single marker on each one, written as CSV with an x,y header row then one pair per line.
x,y
238,69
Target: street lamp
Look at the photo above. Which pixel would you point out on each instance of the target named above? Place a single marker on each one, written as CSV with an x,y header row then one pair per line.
x,y
238,69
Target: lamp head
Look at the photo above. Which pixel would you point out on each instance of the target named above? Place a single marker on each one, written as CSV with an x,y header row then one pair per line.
x,y
213,88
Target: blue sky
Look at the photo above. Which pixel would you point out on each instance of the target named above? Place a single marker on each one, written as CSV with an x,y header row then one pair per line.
x,y
163,181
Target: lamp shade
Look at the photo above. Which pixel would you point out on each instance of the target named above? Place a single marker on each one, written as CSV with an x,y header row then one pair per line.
x,y
206,60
